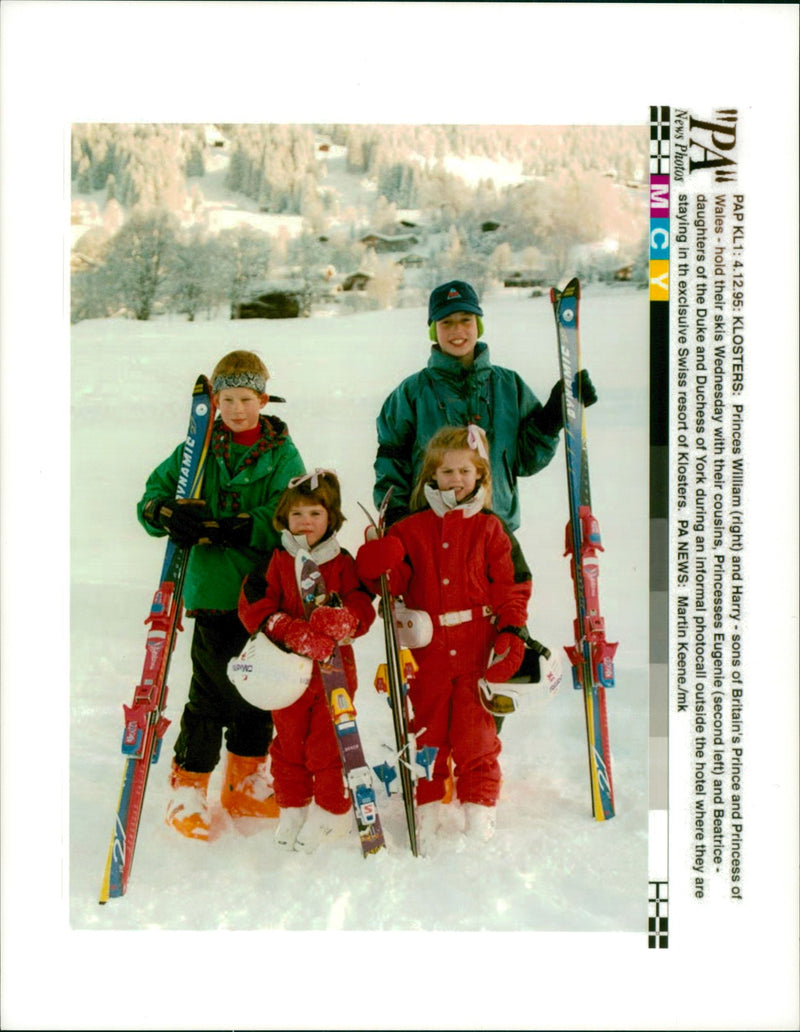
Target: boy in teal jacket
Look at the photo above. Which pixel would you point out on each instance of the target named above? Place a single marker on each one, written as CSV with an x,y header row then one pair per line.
x,y
229,529
459,386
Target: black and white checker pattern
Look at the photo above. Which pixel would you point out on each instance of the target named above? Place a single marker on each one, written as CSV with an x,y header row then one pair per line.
x,y
659,140
658,916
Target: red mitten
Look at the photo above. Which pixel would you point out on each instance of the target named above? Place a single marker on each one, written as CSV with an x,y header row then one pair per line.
x,y
276,627
375,558
298,636
508,650
338,623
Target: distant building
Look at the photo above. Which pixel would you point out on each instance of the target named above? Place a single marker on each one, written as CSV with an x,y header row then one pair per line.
x,y
274,304
356,281
214,137
411,260
523,279
383,243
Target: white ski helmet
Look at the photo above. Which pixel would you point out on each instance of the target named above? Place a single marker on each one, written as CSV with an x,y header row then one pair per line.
x,y
266,676
536,681
414,627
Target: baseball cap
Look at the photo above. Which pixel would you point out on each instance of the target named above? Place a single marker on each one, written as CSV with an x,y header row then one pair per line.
x,y
454,296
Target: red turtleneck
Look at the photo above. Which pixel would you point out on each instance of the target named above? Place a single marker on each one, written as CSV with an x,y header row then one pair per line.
x,y
248,436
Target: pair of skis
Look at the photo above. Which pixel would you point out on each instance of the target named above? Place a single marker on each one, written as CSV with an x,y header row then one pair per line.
x,y
591,656
357,775
145,722
393,677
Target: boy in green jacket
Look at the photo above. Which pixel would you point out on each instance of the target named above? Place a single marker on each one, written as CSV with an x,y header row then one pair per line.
x,y
460,386
229,529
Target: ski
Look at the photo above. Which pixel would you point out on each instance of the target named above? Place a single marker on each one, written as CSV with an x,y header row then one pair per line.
x,y
392,678
145,722
592,657
357,775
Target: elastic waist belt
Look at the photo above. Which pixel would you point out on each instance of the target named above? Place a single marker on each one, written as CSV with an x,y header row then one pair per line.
x,y
459,616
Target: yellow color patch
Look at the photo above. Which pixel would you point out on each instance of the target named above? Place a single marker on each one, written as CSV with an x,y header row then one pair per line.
x,y
659,280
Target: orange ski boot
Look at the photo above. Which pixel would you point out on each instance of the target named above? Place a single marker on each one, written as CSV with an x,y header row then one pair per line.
x,y
187,809
247,788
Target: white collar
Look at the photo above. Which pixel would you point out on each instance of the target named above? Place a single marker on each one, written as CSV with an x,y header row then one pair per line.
x,y
325,550
445,501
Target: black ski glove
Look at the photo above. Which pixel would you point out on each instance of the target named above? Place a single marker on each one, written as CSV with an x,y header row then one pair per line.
x,y
236,531
584,388
184,519
551,418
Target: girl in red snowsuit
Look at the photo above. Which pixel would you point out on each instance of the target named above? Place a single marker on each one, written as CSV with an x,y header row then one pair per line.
x,y
304,753
458,561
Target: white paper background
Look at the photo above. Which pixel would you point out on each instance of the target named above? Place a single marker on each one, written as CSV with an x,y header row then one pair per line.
x,y
479,63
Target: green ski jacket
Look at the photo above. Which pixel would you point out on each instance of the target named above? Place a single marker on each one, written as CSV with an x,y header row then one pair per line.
x,y
238,478
446,393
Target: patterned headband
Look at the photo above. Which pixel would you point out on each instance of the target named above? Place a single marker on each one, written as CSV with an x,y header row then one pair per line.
x,y
475,441
313,477
253,381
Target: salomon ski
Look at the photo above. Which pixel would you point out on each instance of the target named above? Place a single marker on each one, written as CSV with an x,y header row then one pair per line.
x,y
343,714
592,657
145,722
393,678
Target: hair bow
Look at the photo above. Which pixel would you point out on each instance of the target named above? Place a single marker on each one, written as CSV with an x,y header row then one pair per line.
x,y
313,477
475,440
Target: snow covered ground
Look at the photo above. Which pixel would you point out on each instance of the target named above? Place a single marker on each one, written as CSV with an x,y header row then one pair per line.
x,y
550,866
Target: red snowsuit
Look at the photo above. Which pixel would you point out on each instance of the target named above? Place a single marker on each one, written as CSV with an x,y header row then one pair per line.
x,y
461,561
304,754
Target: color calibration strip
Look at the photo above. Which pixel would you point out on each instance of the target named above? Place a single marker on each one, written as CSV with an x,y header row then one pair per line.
x,y
658,804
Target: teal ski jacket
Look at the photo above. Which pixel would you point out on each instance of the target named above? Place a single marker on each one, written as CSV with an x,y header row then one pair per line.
x,y
238,478
446,393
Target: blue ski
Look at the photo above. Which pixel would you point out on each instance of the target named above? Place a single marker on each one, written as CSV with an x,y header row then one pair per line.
x,y
592,657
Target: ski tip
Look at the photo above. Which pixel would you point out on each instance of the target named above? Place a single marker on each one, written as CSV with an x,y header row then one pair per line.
x,y
572,289
369,515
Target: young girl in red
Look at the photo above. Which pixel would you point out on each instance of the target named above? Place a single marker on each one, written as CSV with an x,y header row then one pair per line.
x,y
304,754
458,561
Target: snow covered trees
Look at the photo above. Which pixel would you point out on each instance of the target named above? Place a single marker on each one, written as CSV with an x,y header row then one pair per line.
x,y
138,259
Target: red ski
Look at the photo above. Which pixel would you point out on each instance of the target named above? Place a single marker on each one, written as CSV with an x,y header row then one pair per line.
x,y
145,722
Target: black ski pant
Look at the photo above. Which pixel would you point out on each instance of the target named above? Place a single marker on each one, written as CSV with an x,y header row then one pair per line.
x,y
214,704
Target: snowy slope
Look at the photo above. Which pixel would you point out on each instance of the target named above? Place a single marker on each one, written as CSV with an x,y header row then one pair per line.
x,y
550,866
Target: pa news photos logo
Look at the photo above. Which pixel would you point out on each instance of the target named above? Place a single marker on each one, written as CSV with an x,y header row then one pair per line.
x,y
712,145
